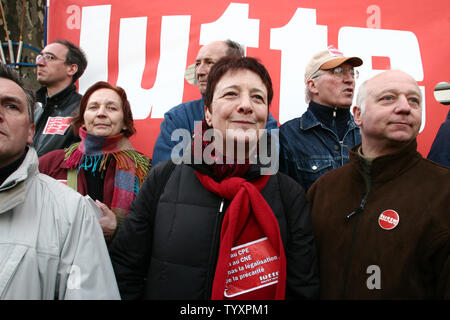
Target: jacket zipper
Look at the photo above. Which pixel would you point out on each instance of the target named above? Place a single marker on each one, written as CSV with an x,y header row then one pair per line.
x,y
215,249
356,212
333,121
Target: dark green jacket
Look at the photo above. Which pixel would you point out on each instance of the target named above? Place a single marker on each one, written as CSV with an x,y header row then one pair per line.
x,y
411,260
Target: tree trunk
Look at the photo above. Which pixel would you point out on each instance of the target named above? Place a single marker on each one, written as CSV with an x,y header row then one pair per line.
x,y
32,33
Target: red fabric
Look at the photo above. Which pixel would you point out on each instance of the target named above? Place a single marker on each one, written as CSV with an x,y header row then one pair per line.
x,y
247,218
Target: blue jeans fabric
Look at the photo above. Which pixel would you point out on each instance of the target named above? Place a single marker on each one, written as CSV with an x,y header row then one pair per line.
x,y
308,148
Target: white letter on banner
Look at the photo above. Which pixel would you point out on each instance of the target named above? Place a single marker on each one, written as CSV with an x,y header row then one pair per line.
x,y
167,91
298,41
234,24
94,36
401,47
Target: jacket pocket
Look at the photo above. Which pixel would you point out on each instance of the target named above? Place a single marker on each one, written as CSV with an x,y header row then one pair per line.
x,y
310,170
11,255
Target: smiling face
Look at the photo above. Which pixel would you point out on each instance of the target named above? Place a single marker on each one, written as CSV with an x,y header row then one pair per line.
x,y
392,113
16,130
104,114
239,107
331,90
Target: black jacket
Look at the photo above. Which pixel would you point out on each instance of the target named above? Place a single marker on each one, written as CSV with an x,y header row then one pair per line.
x,y
440,149
58,109
173,254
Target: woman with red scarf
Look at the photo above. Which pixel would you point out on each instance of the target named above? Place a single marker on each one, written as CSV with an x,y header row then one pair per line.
x,y
221,224
104,164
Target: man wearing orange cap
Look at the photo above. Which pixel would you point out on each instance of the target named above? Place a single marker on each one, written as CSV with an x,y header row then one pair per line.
x,y
321,138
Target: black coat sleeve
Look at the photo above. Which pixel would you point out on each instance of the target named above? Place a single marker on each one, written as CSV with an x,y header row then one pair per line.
x,y
301,254
440,149
131,248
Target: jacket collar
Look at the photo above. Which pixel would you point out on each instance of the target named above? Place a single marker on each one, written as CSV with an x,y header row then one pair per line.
x,y
390,166
309,120
56,99
7,170
12,190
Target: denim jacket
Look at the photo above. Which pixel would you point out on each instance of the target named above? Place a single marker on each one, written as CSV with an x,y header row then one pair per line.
x,y
309,148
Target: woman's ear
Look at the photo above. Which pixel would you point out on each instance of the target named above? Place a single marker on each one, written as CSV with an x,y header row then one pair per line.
x,y
208,116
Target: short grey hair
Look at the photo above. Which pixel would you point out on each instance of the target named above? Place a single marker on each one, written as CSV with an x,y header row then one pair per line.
x,y
308,95
361,97
234,49
9,73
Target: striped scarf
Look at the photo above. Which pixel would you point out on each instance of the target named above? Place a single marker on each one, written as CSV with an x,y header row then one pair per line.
x,y
92,154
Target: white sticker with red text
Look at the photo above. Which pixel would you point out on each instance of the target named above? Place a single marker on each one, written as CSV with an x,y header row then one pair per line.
x,y
57,125
388,219
253,265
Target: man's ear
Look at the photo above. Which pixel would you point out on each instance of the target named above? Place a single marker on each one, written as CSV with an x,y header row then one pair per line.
x,y
31,133
312,87
357,115
72,69
208,116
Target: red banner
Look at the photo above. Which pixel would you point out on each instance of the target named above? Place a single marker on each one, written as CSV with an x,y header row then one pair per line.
x,y
146,46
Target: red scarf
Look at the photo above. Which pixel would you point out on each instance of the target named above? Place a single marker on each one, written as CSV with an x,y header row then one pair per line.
x,y
248,218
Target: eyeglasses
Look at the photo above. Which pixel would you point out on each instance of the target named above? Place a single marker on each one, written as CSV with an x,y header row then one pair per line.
x,y
339,72
47,57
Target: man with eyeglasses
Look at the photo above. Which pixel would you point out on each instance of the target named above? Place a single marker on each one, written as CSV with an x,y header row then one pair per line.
x,y
321,138
58,67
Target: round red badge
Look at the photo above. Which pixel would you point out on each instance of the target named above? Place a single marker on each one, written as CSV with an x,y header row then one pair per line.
x,y
388,219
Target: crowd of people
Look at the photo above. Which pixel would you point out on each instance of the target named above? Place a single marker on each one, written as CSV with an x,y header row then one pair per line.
x,y
354,211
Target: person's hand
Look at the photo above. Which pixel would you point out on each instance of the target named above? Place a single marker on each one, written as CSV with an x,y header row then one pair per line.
x,y
108,222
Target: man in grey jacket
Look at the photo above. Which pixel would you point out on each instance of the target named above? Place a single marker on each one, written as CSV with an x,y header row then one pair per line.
x,y
51,245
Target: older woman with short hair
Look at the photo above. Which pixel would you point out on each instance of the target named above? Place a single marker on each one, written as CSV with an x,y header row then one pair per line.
x,y
216,227
104,165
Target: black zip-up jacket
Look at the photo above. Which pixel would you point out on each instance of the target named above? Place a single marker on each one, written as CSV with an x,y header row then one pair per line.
x,y
62,105
172,254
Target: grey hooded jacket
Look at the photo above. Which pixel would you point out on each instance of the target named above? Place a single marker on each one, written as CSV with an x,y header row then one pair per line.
x,y
51,244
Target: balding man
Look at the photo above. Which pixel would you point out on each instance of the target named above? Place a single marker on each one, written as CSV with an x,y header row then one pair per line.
x,y
185,114
381,222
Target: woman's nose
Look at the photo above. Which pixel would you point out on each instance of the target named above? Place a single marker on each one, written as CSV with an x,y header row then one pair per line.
x,y
101,111
245,104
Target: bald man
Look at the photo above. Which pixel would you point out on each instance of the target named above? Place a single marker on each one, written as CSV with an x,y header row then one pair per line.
x,y
381,222
185,114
